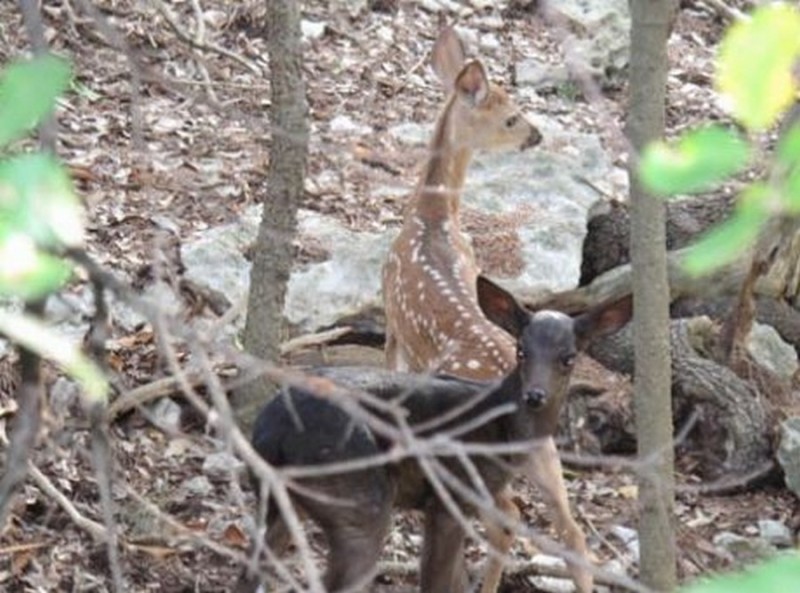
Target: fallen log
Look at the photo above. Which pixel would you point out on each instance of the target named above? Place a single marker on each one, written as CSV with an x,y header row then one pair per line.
x,y
733,431
607,242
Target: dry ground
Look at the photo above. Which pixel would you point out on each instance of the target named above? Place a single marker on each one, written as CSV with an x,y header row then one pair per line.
x,y
165,139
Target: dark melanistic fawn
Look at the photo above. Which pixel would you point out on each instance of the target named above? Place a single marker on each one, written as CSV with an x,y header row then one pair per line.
x,y
353,509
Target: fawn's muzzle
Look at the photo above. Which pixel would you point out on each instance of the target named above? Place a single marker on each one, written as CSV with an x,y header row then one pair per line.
x,y
536,397
534,138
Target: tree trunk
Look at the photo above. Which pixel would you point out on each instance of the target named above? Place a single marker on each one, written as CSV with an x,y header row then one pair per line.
x,y
651,24
272,256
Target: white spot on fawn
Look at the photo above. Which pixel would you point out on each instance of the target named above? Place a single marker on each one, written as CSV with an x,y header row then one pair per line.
x,y
473,364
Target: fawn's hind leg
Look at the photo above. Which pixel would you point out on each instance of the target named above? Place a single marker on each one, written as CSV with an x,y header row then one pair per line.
x,y
277,540
355,539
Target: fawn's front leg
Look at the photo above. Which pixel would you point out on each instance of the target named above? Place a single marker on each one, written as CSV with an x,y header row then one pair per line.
x,y
442,568
500,540
544,469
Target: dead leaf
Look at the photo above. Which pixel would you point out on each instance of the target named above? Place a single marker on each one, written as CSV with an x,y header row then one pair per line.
x,y
234,536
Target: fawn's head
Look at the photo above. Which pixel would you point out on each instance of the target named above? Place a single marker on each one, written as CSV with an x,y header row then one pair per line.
x,y
548,341
480,113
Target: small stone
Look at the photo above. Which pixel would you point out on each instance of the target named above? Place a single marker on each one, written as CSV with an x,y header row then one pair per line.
x,y
775,533
489,41
198,486
312,30
167,414
65,397
767,347
411,133
629,537
385,34
347,125
220,465
742,549
541,75
789,453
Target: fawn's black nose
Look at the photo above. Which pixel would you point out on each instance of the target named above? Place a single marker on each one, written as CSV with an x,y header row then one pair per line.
x,y
535,397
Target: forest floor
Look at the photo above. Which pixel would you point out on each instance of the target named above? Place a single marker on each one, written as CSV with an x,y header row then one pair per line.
x,y
165,139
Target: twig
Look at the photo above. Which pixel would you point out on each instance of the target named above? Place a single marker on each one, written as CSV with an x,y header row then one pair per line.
x,y
603,539
728,484
729,13
266,474
143,394
162,8
116,40
94,528
148,392
316,339
101,456
519,568
593,186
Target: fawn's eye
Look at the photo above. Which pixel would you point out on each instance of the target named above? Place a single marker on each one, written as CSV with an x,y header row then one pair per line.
x,y
512,121
568,361
520,354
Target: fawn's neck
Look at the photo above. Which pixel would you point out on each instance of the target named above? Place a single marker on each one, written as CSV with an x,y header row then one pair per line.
x,y
439,193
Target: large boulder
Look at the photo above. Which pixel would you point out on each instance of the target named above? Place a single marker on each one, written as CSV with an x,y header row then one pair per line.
x,y
525,211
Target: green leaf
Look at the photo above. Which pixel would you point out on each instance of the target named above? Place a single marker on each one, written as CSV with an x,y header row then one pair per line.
x,y
699,160
28,90
726,241
756,57
779,575
37,198
791,192
37,337
26,272
788,151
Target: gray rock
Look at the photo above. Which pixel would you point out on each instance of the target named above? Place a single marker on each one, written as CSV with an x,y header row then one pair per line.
x,y
166,414
352,7
538,190
629,537
789,453
221,465
198,486
742,549
602,40
412,134
65,397
441,6
318,294
214,258
541,189
71,312
775,532
541,75
489,41
767,347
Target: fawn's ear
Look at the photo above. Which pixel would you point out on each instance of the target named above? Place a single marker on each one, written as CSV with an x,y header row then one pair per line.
x,y
448,57
603,319
472,85
501,308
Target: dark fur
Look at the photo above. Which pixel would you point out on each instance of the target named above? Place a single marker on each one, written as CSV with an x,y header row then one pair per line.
x,y
299,429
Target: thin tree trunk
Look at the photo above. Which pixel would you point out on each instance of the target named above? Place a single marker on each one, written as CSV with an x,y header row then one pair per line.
x,y
272,257
651,24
